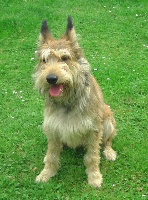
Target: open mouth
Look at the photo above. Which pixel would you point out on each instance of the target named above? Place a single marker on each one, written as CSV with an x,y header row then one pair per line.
x,y
56,90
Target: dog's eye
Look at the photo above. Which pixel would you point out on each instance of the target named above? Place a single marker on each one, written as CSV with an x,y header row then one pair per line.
x,y
64,58
44,61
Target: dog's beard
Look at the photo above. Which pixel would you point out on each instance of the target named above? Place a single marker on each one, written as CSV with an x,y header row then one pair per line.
x,y
60,94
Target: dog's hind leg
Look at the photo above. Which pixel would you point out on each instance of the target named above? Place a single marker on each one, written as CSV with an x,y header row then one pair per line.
x,y
108,136
51,160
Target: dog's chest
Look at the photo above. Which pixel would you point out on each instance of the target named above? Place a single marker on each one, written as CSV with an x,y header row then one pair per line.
x,y
70,127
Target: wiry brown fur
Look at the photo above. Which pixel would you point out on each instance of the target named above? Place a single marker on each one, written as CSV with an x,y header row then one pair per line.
x,y
78,116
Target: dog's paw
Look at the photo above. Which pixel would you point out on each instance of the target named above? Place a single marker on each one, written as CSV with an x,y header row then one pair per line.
x,y
95,180
44,176
110,154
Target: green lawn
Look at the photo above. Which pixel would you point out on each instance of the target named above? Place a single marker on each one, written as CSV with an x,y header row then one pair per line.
x,y
115,39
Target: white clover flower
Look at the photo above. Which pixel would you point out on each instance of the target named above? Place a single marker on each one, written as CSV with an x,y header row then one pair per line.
x,y
14,92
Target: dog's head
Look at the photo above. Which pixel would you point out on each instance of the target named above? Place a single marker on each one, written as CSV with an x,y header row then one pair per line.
x,y
62,66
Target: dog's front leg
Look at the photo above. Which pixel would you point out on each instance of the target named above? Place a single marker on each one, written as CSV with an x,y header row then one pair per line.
x,y
51,160
92,160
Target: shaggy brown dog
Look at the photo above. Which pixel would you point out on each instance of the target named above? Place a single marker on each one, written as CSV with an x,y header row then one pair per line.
x,y
75,112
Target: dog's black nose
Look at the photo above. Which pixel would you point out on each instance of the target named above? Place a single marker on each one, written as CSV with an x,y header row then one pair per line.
x,y
52,78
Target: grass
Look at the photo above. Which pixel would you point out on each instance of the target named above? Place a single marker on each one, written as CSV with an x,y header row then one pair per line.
x,y
115,39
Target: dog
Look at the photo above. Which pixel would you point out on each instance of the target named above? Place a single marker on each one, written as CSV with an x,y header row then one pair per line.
x,y
75,112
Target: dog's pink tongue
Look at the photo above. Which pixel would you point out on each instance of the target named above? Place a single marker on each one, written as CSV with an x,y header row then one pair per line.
x,y
56,90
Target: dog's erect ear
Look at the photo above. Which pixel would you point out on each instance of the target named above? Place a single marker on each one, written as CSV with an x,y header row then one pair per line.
x,y
70,32
45,35
70,25
71,36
